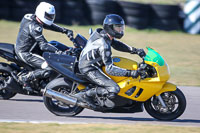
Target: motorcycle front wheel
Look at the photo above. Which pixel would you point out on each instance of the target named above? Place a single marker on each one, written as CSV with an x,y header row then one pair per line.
x,y
175,105
57,107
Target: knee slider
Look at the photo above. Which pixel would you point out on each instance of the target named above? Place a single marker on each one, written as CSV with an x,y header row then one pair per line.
x,y
46,74
114,89
112,95
102,91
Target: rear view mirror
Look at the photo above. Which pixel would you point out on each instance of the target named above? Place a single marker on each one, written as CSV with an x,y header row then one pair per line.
x,y
90,31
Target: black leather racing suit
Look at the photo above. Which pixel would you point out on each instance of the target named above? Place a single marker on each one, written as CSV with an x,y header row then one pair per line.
x,y
97,53
30,34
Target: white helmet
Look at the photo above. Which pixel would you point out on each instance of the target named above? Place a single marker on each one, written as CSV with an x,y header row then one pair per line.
x,y
46,13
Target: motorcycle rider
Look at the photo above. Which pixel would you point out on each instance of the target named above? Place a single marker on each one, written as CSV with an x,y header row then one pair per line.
x,y
97,53
30,33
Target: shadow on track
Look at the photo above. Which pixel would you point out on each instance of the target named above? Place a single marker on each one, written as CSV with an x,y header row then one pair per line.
x,y
26,100
140,119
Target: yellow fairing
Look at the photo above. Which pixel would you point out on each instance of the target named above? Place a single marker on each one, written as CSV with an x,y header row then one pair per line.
x,y
81,87
142,90
167,87
163,73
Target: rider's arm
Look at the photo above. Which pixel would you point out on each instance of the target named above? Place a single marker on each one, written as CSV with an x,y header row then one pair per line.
x,y
36,33
54,27
125,48
120,46
110,68
57,28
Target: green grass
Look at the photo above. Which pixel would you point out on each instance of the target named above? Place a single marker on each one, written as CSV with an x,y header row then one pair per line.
x,y
93,128
180,50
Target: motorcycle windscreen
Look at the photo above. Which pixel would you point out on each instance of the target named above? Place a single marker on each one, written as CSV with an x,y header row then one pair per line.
x,y
154,56
63,64
80,40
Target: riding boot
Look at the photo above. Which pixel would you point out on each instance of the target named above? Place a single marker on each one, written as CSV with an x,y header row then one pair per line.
x,y
87,97
107,97
37,74
25,79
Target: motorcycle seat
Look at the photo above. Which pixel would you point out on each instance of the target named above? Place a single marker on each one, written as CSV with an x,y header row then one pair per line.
x,y
7,47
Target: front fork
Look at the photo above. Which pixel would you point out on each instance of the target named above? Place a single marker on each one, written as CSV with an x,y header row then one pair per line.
x,y
166,88
161,101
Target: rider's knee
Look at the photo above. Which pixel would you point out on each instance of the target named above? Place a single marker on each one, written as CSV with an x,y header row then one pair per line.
x,y
114,89
46,74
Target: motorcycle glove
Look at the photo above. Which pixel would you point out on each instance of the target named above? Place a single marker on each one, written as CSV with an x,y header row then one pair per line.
x,y
60,52
68,32
140,52
133,73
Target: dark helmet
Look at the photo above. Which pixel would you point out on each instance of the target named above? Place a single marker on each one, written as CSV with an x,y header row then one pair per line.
x,y
114,25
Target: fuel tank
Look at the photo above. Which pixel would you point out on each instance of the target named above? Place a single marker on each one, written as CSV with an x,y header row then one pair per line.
x,y
122,63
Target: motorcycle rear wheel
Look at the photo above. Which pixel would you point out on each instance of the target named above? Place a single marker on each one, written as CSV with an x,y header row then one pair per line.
x,y
4,73
56,107
175,102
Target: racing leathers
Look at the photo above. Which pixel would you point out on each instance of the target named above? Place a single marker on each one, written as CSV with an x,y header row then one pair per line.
x,y
97,53
30,42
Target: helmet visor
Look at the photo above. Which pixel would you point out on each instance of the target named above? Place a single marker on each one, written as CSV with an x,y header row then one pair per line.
x,y
119,28
49,17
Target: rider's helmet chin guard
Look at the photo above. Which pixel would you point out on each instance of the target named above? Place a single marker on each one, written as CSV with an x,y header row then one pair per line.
x,y
114,25
46,13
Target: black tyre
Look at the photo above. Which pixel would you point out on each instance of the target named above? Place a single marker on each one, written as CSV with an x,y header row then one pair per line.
x,y
4,73
18,13
137,22
75,12
165,24
56,107
4,12
175,102
99,9
134,9
4,3
21,7
98,17
4,9
164,11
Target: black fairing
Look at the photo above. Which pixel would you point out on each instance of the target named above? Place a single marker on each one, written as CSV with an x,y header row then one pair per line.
x,y
7,51
59,45
137,107
79,40
124,105
63,64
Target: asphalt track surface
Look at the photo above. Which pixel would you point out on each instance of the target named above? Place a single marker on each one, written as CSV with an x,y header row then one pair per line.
x,y
31,109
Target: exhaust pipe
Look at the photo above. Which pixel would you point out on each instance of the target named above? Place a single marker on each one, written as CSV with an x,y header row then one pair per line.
x,y
60,97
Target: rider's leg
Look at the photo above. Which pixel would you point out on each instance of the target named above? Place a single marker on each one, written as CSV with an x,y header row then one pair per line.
x,y
37,62
107,87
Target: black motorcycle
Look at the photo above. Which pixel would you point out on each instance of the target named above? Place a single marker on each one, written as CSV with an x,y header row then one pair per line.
x,y
10,71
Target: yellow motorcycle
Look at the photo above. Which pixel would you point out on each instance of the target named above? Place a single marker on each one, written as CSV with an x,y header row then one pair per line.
x,y
161,99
